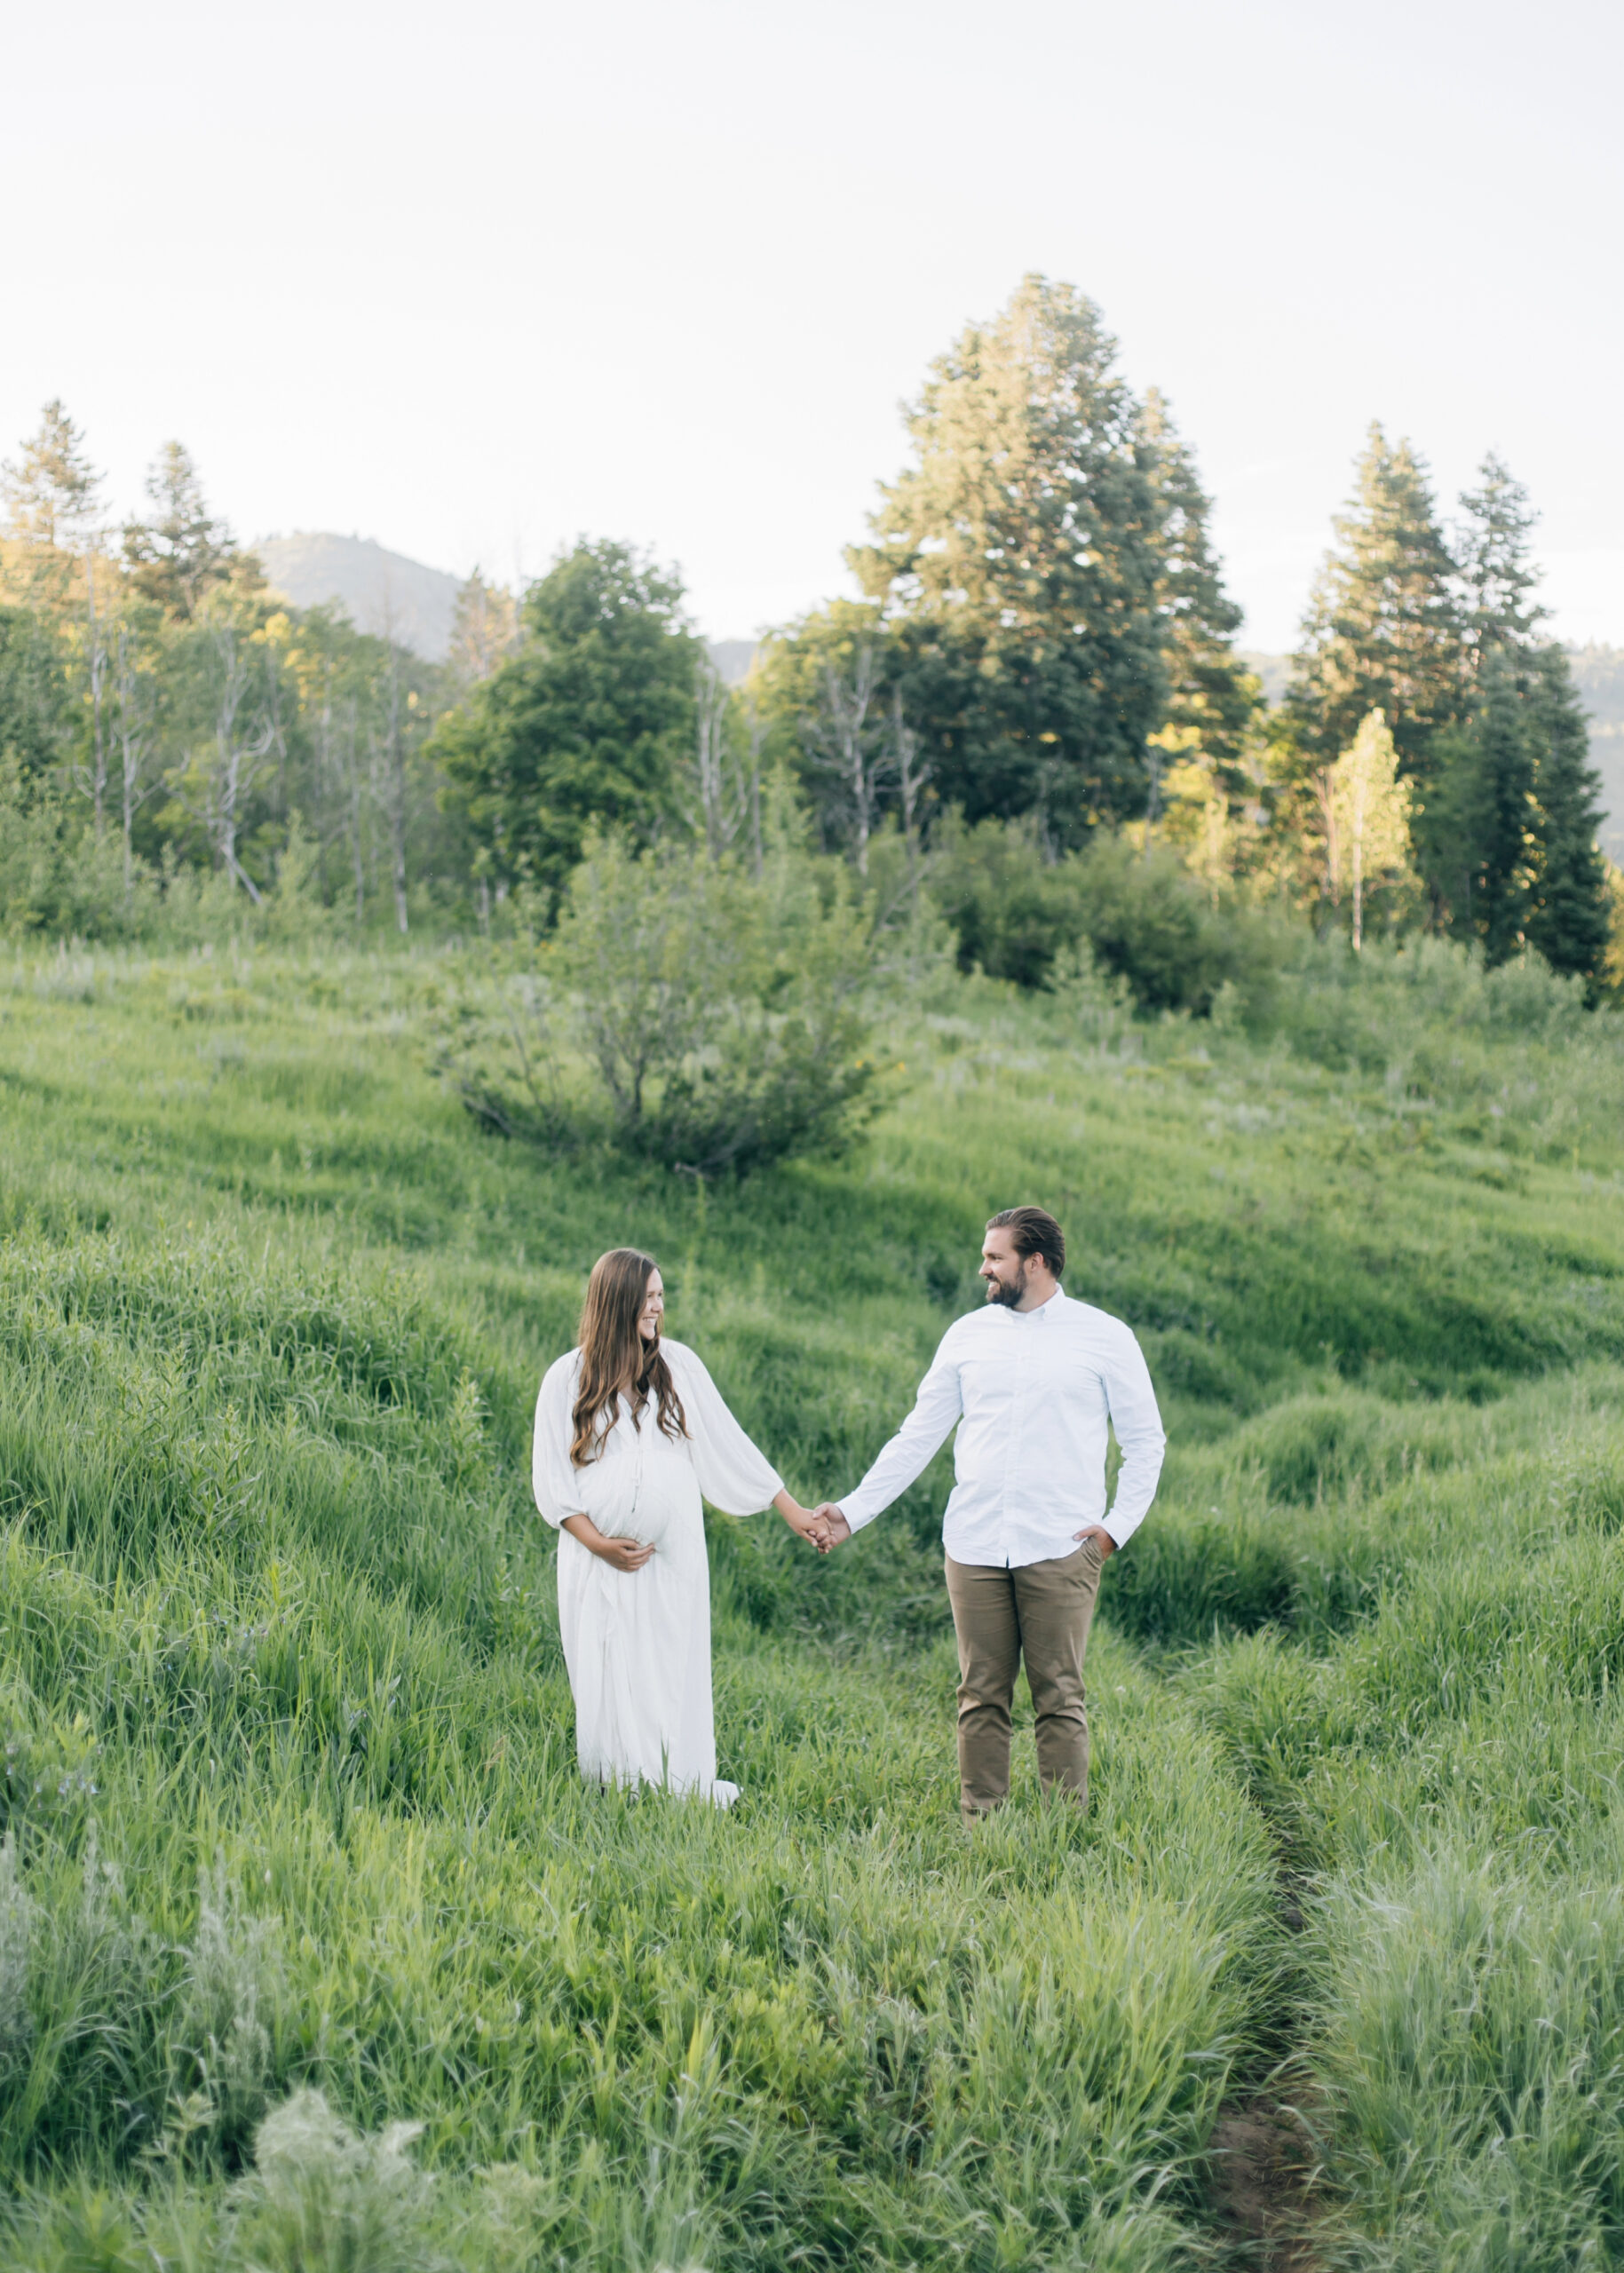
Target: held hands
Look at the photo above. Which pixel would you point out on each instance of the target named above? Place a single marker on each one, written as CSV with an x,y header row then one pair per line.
x,y
804,1524
835,1529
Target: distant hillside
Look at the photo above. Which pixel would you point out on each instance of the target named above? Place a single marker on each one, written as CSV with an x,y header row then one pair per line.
x,y
385,592
382,592
1600,674
1274,670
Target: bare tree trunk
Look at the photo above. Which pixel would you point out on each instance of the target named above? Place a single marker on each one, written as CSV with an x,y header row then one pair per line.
x,y
132,737
757,734
324,769
98,751
720,822
395,789
1153,802
353,783
911,777
848,711
1325,795
236,760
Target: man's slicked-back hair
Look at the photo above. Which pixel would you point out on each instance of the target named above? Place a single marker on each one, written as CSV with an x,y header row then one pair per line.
x,y
1036,1233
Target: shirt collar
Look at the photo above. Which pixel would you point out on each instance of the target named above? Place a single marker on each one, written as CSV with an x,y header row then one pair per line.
x,y
1043,1310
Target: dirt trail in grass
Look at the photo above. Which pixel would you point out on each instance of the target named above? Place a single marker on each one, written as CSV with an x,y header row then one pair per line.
x,y
1264,2197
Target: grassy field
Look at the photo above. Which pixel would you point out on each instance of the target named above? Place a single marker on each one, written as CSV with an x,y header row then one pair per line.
x,y
296,1854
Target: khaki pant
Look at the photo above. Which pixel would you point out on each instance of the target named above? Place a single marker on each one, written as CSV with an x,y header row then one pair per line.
x,y
1042,1612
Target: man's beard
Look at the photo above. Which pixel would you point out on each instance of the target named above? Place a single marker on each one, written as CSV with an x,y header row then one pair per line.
x,y
1009,1292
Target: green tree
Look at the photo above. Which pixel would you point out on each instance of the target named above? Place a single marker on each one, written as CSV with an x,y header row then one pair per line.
x,y
35,704
52,488
181,553
1497,574
1383,630
1021,559
484,629
588,725
1369,811
1478,822
1570,919
1213,699
1507,830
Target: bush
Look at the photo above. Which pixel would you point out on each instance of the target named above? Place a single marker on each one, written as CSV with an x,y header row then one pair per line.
x,y
700,1017
1143,918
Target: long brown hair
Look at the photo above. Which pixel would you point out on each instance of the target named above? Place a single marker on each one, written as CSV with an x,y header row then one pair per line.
x,y
614,1359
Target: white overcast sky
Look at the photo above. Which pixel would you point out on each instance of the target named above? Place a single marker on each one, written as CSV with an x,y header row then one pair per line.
x,y
473,278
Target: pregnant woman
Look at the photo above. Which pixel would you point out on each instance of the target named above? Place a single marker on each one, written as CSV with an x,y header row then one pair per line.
x,y
630,1431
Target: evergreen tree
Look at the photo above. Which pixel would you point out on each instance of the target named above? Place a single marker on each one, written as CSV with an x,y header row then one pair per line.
x,y
484,629
1479,848
1497,577
1020,558
1509,830
1212,699
51,490
589,723
1383,630
182,553
1570,916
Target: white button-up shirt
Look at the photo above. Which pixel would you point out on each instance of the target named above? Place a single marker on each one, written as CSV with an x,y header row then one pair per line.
x,y
1035,1391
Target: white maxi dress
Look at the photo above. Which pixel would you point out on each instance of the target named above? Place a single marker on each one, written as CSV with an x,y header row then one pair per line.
x,y
637,1644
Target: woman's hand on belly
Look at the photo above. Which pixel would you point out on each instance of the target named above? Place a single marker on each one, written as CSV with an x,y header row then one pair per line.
x,y
619,1553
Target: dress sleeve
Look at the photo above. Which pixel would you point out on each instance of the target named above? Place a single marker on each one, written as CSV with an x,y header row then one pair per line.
x,y
731,1474
556,1484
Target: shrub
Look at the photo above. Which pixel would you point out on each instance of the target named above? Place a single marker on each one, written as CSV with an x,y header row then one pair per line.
x,y
1143,917
715,1016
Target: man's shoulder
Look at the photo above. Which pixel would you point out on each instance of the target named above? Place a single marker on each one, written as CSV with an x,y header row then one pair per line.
x,y
1097,1325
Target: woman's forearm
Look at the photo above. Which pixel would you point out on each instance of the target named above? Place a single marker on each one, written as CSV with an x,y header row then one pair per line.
x,y
627,1554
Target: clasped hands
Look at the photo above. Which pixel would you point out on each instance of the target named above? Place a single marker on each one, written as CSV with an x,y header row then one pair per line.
x,y
825,1528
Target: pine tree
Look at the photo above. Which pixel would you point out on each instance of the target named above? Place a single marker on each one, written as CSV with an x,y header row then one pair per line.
x,y
1212,699
1570,917
1020,558
1497,577
1481,814
182,553
1512,807
51,491
1384,630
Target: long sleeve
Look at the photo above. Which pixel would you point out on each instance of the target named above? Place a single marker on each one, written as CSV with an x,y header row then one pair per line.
x,y
1137,1422
938,1405
556,1483
732,1474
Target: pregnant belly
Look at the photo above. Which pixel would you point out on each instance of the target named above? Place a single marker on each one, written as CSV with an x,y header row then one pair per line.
x,y
667,1501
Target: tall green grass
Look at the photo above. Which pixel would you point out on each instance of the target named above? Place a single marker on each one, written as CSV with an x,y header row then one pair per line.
x,y
294,1847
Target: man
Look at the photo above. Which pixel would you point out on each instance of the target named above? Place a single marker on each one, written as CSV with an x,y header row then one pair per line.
x,y
1034,1378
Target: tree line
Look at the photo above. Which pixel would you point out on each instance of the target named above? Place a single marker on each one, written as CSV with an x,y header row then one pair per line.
x,y
1040,662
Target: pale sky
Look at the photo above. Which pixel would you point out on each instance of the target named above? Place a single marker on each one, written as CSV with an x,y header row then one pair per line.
x,y
473,280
